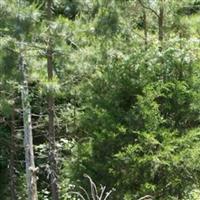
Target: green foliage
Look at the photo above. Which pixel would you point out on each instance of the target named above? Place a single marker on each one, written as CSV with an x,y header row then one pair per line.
x,y
125,114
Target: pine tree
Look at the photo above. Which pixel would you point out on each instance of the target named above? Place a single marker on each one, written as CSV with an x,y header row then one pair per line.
x,y
51,110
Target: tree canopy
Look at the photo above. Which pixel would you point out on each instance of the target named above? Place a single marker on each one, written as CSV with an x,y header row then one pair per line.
x,y
99,99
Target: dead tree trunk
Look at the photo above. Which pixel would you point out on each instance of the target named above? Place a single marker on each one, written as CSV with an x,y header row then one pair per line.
x,y
31,177
12,156
51,109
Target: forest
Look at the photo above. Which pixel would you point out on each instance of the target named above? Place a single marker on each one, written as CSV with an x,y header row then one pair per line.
x,y
99,100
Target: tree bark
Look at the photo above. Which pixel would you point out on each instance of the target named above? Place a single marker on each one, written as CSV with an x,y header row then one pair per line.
x,y
12,157
160,17
31,170
51,109
161,22
145,29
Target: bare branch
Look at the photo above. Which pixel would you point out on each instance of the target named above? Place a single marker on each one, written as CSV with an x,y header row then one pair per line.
x,y
108,194
94,192
85,192
78,194
102,191
92,186
147,197
148,7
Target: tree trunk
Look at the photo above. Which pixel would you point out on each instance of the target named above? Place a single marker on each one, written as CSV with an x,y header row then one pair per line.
x,y
51,108
161,22
12,157
145,29
31,177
